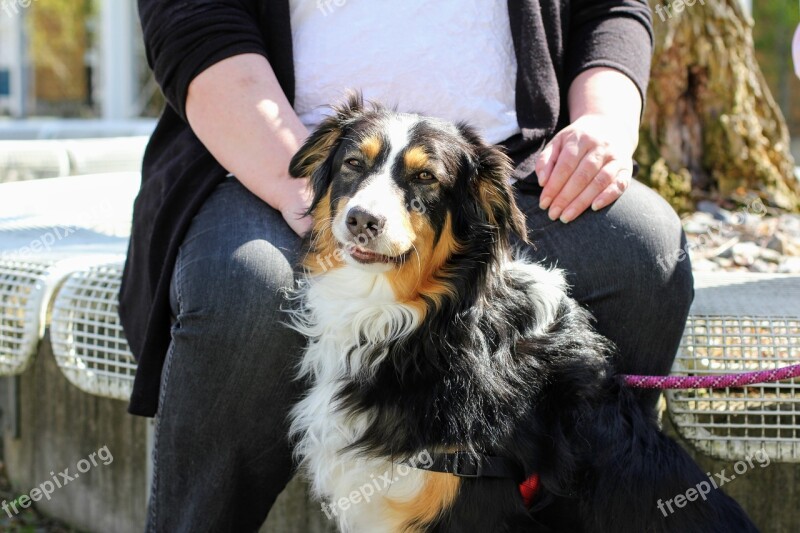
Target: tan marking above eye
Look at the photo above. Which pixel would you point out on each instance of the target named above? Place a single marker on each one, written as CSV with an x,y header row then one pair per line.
x,y
416,158
371,147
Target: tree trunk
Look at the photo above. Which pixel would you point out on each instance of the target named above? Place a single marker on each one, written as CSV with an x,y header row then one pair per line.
x,y
711,127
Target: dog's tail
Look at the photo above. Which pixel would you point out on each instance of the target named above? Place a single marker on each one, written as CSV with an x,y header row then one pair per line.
x,y
641,480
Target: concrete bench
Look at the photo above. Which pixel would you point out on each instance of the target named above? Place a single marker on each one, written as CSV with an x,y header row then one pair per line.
x,y
63,301
48,229
62,245
23,160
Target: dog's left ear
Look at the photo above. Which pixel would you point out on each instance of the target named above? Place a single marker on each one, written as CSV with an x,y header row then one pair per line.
x,y
310,160
493,191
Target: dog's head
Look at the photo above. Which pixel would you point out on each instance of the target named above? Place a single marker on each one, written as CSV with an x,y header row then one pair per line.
x,y
405,195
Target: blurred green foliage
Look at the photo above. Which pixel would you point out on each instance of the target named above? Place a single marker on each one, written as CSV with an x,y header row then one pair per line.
x,y
775,22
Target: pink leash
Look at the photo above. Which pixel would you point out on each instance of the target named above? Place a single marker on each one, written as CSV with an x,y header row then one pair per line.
x,y
720,381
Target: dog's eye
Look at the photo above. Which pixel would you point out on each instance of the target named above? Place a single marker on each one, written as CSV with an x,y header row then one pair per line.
x,y
425,176
354,163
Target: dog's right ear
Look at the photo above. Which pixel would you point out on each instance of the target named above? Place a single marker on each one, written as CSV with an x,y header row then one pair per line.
x,y
320,144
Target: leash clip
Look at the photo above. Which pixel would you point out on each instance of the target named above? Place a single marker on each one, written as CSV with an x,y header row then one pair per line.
x,y
469,460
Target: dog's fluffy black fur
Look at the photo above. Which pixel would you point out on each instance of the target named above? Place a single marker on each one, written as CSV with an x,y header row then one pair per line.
x,y
481,373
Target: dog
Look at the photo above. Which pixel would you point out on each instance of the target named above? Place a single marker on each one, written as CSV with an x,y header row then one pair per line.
x,y
443,372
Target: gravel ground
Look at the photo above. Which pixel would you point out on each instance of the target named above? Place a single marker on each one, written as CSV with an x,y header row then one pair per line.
x,y
748,238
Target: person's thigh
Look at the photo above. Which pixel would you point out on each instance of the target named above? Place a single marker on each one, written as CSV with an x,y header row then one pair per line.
x,y
222,454
624,263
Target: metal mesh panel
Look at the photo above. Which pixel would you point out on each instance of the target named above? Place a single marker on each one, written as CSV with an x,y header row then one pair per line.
x,y
88,341
733,423
22,291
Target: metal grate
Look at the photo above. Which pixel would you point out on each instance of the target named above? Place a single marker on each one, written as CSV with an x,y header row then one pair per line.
x,y
87,338
23,292
733,423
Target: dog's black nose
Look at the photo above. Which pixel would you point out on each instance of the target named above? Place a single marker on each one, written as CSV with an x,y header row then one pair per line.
x,y
360,221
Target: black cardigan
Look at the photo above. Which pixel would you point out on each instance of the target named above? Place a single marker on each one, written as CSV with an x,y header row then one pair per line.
x,y
554,41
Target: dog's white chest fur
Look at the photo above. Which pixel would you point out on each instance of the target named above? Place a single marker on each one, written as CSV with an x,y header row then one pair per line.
x,y
346,311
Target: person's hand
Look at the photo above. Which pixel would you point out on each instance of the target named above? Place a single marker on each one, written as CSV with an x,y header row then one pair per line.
x,y
294,201
588,163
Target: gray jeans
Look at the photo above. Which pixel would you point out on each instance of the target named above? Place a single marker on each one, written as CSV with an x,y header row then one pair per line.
x,y
221,453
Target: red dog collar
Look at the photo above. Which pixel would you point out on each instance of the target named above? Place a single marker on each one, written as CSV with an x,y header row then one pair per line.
x,y
528,489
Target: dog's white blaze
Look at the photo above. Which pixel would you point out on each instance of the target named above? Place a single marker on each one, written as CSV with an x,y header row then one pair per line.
x,y
398,130
346,311
379,194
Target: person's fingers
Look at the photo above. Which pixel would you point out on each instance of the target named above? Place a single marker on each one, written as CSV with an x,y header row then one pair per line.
x,y
584,176
613,191
568,160
547,159
602,181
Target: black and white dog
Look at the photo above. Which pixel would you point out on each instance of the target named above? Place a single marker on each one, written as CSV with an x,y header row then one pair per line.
x,y
443,372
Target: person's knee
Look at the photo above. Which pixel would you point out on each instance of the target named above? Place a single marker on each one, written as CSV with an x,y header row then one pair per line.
x,y
667,267
231,328
652,248
675,277
244,284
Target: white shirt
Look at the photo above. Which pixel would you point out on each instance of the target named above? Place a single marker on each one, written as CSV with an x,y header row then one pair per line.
x,y
448,59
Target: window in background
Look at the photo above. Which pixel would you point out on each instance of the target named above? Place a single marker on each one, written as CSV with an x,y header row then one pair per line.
x,y
61,52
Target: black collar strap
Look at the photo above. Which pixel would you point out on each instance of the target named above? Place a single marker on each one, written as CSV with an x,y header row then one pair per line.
x,y
468,465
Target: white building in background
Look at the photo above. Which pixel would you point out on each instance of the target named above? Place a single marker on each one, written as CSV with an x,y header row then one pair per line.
x,y
114,61
118,60
12,53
